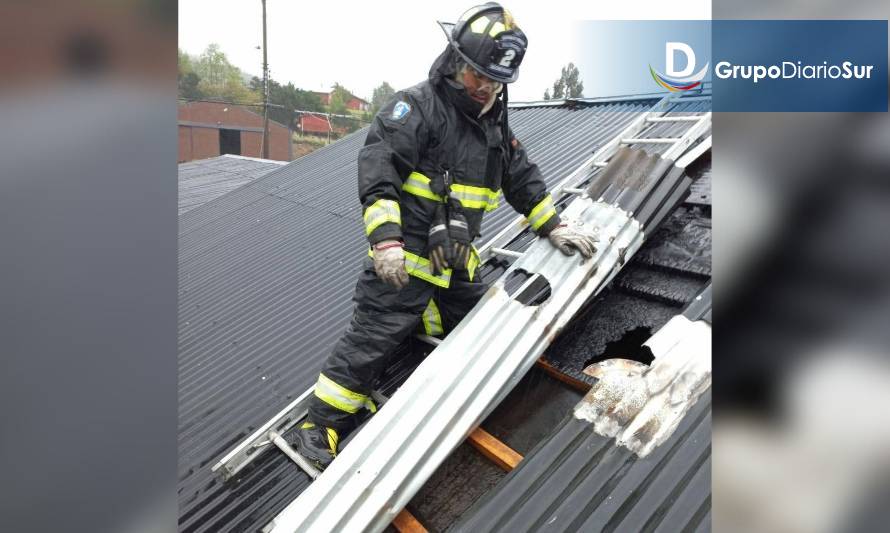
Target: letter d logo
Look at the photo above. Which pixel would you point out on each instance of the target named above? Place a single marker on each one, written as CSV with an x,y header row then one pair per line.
x,y
679,80
670,50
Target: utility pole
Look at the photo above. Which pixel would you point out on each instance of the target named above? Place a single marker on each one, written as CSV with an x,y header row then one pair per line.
x,y
265,88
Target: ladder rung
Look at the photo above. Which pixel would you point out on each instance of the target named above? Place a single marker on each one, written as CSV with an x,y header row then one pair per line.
x,y
282,445
510,253
571,190
684,118
429,340
653,140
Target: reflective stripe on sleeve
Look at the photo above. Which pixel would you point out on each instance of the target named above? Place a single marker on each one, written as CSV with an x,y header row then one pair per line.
x,y
541,213
381,212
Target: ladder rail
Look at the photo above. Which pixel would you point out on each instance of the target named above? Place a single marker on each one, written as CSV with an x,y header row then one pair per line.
x,y
598,160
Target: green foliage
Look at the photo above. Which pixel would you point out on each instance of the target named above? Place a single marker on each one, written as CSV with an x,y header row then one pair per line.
x,y
546,94
222,80
339,98
291,98
569,84
381,96
188,78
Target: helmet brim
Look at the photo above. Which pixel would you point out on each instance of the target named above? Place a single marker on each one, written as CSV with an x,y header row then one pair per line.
x,y
447,27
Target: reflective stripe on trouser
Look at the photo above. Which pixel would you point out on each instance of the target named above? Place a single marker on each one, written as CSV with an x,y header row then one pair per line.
x,y
420,267
381,212
541,213
336,395
469,196
383,318
432,320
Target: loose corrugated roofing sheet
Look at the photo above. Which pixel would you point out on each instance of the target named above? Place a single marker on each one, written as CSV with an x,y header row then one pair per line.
x,y
266,279
203,180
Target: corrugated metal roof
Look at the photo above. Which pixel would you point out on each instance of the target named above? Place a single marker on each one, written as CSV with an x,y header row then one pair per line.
x,y
266,277
577,480
207,179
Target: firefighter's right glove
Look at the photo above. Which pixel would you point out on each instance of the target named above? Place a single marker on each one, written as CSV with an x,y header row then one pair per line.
x,y
568,240
441,253
459,232
389,263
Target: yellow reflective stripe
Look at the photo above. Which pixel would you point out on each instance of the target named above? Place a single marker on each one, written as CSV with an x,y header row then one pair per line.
x,y
420,267
469,196
541,213
381,212
475,197
472,262
333,440
432,320
419,185
338,396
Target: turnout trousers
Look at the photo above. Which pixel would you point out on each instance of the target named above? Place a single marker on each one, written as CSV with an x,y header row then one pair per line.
x,y
383,317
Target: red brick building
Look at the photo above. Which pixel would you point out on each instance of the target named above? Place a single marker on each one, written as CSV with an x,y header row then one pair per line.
x,y
210,129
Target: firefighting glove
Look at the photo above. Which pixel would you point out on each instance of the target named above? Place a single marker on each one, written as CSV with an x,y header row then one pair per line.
x,y
441,254
389,263
568,240
459,232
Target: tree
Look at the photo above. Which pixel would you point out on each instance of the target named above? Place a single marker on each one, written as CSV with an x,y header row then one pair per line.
x,y
569,84
221,79
381,95
339,98
188,79
546,94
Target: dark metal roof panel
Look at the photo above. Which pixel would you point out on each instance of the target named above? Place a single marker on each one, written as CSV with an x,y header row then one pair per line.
x,y
577,480
266,277
206,179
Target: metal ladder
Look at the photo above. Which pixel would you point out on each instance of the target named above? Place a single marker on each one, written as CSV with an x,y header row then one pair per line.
x,y
271,433
633,133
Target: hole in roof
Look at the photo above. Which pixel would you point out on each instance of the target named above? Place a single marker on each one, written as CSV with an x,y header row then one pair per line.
x,y
629,346
527,288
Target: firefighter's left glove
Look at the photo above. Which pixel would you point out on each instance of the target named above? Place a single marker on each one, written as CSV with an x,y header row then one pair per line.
x,y
389,263
459,232
569,239
441,253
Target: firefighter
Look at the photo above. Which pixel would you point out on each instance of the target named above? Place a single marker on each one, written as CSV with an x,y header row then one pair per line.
x,y
436,159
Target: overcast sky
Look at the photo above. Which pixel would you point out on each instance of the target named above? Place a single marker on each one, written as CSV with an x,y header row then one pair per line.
x,y
363,43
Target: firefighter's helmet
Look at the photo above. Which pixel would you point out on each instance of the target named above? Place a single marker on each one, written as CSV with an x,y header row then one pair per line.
x,y
488,39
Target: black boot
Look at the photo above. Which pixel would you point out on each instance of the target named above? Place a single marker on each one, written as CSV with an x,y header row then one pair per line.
x,y
318,444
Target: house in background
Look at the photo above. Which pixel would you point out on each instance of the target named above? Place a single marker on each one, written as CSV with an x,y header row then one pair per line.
x,y
355,103
211,129
315,125
319,125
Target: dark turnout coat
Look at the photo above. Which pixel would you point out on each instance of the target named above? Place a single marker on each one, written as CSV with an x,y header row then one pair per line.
x,y
425,130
